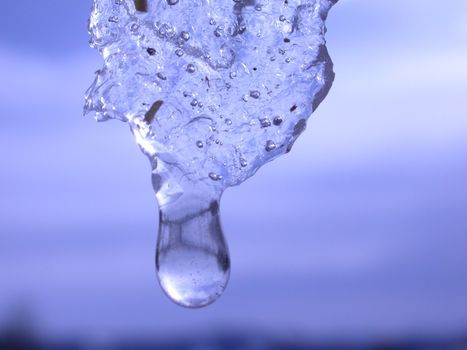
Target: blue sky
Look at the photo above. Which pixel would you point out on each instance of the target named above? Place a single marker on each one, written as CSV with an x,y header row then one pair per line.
x,y
360,231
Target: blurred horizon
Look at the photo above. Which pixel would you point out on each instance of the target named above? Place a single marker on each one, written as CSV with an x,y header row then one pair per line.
x,y
359,233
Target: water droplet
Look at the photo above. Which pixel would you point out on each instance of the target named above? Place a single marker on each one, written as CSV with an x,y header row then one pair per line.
x,y
243,162
172,2
228,121
192,258
199,144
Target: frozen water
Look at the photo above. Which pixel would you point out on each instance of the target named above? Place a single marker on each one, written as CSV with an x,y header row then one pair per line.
x,y
212,90
211,72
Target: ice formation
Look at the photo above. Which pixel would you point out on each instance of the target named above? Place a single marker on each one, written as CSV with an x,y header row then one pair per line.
x,y
212,90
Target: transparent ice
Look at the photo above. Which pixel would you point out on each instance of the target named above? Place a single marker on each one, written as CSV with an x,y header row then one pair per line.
x,y
212,90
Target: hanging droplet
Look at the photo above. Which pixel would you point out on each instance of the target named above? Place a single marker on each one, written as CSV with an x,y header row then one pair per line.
x,y
192,259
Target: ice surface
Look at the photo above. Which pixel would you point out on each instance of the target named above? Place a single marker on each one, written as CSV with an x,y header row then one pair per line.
x,y
212,89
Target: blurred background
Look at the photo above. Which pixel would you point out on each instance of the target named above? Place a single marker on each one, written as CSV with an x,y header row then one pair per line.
x,y
355,239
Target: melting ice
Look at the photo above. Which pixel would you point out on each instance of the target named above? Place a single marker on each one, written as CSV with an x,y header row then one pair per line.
x,y
212,90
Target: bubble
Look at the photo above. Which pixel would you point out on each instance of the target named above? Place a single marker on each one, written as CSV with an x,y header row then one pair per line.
x,y
277,121
255,94
191,68
185,35
161,76
215,177
265,122
212,90
270,145
218,32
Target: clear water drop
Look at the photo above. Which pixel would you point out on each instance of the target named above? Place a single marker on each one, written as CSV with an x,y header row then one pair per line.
x,y
192,258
